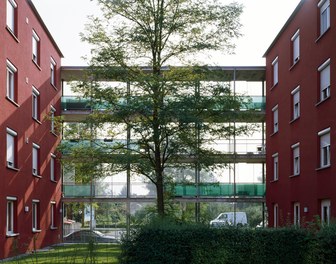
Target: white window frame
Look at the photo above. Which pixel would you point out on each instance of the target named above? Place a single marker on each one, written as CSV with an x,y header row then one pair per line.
x,y
275,111
35,104
296,214
35,159
296,158
52,167
52,215
11,81
296,102
296,46
275,215
10,15
324,71
275,166
275,69
324,6
325,212
35,48
35,216
53,72
52,119
10,215
11,137
324,148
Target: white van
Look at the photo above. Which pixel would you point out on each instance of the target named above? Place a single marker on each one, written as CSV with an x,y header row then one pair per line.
x,y
230,219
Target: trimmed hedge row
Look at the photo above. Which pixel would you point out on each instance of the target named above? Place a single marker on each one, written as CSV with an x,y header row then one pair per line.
x,y
194,244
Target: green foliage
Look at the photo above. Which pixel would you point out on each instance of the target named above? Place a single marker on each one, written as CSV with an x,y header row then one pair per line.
x,y
168,242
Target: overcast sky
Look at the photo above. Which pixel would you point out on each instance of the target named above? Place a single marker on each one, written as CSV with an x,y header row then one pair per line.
x,y
261,19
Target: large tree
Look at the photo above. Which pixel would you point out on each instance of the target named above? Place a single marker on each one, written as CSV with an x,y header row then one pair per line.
x,y
170,113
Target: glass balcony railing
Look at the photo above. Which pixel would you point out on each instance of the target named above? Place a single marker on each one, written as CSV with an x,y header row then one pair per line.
x,y
179,190
74,103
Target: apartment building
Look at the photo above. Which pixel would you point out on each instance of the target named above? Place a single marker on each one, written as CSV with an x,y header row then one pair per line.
x,y
30,190
301,117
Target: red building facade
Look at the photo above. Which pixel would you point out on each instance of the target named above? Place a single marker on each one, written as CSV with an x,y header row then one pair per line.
x,y
301,117
30,93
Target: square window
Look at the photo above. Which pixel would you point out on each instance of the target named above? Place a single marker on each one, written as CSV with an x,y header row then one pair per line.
x,y
296,214
324,148
324,71
11,216
275,167
11,11
35,48
36,216
275,119
11,154
52,167
11,81
296,102
296,47
53,72
296,159
36,159
324,6
36,104
275,68
325,212
53,214
52,119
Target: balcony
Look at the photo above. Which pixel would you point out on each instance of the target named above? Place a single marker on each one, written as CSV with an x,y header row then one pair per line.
x,y
73,103
143,190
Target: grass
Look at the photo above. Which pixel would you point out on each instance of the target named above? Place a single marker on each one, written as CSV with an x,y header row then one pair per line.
x,y
73,253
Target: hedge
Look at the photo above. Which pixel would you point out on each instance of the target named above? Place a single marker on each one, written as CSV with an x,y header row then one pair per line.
x,y
196,244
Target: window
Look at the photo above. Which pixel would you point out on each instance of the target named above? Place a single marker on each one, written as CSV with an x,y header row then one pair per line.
x,y
275,166
296,102
11,81
36,104
53,72
275,215
296,47
324,147
324,70
36,216
324,6
296,214
11,16
52,119
296,158
11,216
35,48
275,119
53,215
52,167
325,212
36,165
11,148
275,68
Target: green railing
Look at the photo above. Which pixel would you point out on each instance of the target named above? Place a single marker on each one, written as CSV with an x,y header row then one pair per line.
x,y
73,103
186,190
220,190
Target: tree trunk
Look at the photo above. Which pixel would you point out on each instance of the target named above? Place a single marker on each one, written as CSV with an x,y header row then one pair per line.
x,y
160,195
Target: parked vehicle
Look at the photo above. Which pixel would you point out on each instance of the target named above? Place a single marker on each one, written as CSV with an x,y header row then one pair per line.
x,y
230,219
84,236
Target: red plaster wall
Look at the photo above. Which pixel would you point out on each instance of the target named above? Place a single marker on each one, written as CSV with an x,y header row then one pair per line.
x,y
22,184
312,185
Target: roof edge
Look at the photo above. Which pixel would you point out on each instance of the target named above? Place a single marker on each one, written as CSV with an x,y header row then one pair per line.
x,y
32,6
296,10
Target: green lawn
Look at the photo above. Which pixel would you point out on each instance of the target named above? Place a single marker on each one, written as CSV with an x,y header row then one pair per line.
x,y
101,253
